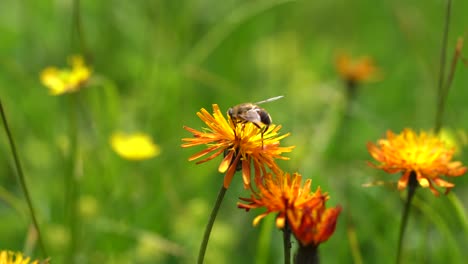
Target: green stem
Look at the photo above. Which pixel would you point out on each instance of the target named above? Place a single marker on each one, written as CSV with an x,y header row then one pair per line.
x,y
412,185
307,255
22,180
209,226
442,94
287,243
351,93
71,180
77,25
460,211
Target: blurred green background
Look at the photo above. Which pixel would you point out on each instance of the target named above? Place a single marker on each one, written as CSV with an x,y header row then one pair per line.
x,y
156,63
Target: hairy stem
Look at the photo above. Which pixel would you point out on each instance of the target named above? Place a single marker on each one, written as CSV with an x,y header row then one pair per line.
x,y
287,243
307,255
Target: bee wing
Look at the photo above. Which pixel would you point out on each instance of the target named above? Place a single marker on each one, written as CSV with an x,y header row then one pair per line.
x,y
270,99
252,116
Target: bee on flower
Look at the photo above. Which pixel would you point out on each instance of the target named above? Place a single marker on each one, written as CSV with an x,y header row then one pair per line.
x,y
241,144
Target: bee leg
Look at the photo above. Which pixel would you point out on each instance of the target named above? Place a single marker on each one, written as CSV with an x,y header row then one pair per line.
x,y
234,124
262,130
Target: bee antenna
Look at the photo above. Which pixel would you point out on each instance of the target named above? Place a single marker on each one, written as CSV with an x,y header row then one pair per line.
x,y
270,99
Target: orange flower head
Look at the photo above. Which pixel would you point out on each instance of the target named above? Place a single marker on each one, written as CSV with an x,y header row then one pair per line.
x,y
316,224
302,209
240,144
425,155
355,71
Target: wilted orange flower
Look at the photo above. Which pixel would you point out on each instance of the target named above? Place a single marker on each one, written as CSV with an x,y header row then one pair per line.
x,y
303,210
60,81
240,149
355,71
10,257
425,155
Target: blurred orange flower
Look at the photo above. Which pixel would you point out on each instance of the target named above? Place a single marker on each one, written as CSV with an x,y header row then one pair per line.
x,y
60,81
425,155
240,149
355,71
303,210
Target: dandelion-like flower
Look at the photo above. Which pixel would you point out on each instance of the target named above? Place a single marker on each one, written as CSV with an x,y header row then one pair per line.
x,y
10,257
241,145
355,71
316,224
137,146
304,211
425,155
60,81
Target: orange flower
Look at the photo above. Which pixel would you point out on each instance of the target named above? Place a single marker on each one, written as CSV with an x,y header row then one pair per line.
x,y
425,155
316,224
360,70
303,210
240,149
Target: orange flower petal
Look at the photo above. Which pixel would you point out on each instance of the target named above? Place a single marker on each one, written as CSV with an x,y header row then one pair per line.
x,y
224,165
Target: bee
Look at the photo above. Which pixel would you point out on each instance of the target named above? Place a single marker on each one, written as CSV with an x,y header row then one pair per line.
x,y
251,112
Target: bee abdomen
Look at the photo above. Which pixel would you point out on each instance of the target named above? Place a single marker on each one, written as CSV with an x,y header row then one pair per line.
x,y
265,118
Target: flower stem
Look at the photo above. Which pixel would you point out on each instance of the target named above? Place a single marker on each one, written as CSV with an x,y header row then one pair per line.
x,y
287,243
307,255
71,180
412,184
78,26
443,90
209,226
351,93
22,180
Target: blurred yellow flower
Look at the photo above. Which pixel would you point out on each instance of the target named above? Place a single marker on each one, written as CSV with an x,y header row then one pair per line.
x,y
10,257
241,145
425,155
60,81
138,146
355,71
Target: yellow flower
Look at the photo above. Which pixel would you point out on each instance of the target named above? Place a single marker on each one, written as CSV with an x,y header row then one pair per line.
x,y
425,155
138,146
10,257
303,210
355,71
60,81
240,149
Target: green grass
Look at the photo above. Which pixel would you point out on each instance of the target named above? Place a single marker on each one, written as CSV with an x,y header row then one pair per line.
x,y
156,63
